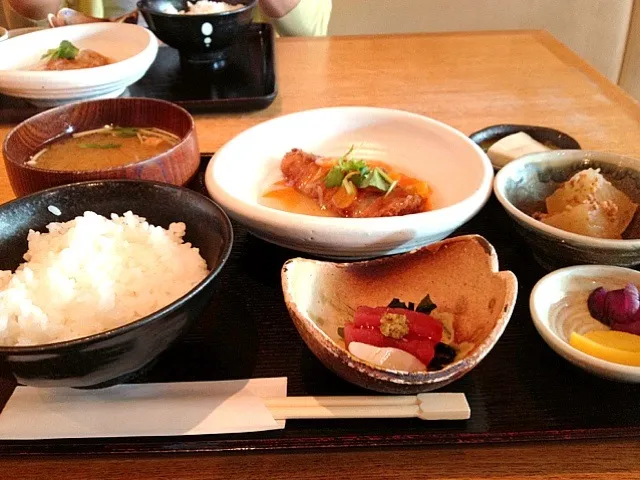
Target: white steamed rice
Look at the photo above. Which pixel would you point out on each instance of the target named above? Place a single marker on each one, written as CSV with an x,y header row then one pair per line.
x,y
203,7
92,274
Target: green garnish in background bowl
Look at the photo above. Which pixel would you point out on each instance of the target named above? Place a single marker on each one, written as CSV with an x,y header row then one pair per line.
x,y
66,50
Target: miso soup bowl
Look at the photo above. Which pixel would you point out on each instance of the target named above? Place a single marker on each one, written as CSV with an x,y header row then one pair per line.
x,y
523,185
176,166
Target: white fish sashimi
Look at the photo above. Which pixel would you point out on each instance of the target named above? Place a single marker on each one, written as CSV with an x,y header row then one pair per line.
x,y
387,357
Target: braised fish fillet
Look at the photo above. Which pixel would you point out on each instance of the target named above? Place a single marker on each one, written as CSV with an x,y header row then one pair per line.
x,y
306,173
85,59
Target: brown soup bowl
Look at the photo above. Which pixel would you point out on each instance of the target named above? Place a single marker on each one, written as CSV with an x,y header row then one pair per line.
x,y
176,166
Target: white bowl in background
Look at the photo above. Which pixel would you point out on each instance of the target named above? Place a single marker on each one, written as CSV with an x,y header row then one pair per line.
x,y
457,170
558,305
132,48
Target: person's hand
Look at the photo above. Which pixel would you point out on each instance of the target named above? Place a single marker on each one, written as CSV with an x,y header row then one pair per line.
x,y
35,9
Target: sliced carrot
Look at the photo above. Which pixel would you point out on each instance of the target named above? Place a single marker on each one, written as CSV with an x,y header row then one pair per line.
x,y
342,198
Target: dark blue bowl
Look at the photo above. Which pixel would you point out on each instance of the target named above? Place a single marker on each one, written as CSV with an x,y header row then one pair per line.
x,y
114,356
202,40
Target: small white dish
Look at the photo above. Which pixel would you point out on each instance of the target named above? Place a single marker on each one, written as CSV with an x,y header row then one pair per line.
x,y
456,169
132,48
558,305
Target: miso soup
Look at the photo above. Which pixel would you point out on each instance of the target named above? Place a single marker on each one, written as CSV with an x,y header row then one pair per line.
x,y
107,147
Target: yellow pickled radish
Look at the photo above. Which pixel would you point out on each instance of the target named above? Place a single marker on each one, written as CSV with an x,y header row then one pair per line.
x,y
610,345
615,339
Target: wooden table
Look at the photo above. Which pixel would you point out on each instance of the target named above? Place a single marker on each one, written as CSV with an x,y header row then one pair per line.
x,y
470,81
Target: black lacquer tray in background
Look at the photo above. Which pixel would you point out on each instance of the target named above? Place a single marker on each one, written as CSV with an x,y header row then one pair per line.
x,y
247,83
521,391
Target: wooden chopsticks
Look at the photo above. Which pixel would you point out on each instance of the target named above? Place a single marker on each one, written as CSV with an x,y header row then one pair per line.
x,y
427,406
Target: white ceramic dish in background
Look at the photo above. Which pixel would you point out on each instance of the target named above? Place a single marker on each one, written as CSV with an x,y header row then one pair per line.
x,y
457,170
132,48
558,305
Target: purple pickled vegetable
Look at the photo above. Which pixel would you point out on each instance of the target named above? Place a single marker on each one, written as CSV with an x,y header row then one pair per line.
x,y
621,305
632,327
596,303
616,308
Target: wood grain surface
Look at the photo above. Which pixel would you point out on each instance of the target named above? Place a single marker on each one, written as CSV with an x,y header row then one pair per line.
x,y
613,460
469,80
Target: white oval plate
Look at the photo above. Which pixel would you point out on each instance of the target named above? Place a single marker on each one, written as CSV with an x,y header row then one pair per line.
x,y
457,170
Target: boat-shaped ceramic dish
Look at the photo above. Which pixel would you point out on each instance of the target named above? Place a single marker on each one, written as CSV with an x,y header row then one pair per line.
x,y
460,274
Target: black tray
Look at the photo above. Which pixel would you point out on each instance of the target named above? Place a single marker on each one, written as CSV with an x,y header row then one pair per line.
x,y
521,391
247,83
